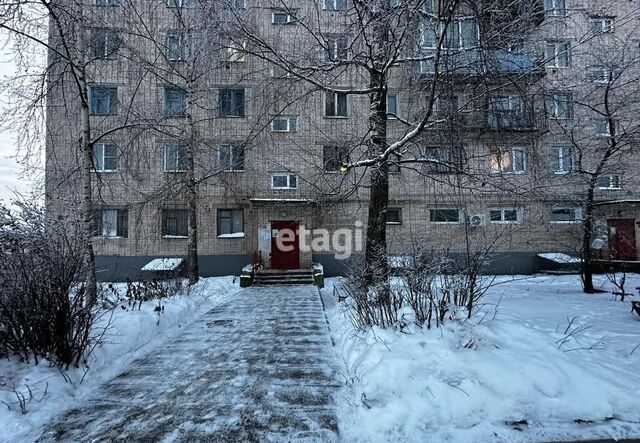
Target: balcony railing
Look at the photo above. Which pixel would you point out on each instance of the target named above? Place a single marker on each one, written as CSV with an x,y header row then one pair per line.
x,y
475,63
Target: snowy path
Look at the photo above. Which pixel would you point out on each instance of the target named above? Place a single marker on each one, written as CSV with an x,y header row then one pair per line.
x,y
257,368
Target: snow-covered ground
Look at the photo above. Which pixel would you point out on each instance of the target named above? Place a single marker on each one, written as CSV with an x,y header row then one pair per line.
x,y
132,334
524,377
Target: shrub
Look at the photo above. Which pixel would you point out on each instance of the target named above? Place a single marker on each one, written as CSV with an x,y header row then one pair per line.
x,y
44,313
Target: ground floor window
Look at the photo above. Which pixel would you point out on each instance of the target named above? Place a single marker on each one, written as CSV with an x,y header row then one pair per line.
x,y
565,214
445,215
504,215
394,216
284,181
175,223
112,222
230,222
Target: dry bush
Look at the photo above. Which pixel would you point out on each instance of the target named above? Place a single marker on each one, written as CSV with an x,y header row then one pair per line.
x,y
44,312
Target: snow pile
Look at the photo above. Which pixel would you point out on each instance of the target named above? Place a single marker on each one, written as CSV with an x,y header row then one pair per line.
x,y
131,335
541,352
559,257
162,264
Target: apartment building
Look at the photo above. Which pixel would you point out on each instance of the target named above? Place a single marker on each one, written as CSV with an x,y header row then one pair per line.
x,y
270,112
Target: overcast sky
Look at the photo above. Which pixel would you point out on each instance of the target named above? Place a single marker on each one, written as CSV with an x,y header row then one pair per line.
x,y
12,177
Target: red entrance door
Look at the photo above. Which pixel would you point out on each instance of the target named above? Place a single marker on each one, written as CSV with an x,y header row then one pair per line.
x,y
622,240
285,248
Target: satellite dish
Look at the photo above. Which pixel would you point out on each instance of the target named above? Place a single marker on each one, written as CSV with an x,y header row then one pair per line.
x,y
597,243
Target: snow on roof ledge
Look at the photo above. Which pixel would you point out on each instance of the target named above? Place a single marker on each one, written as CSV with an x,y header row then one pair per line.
x,y
559,257
162,264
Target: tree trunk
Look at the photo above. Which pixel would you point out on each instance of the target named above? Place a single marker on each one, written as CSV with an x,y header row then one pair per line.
x,y
376,243
587,234
86,203
192,198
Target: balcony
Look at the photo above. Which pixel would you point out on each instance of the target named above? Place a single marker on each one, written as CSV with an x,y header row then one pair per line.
x,y
471,63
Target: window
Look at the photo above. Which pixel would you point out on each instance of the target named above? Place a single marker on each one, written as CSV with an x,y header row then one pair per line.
x,y
560,106
336,47
230,223
174,160
602,128
238,4
446,160
174,103
557,54
112,223
393,162
279,72
335,104
333,157
103,100
447,106
445,215
394,216
284,181
600,74
565,215
392,104
231,102
609,182
507,111
236,52
504,215
283,17
508,160
555,8
231,157
104,43
107,2
601,25
334,5
175,223
561,159
460,34
180,3
105,157
283,123
176,46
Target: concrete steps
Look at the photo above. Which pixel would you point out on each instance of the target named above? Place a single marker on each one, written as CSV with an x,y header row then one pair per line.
x,y
284,277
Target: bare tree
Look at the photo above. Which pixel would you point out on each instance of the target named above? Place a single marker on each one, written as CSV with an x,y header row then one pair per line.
x,y
75,40
594,118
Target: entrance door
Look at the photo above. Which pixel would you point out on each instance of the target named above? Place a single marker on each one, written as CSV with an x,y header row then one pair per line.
x,y
285,253
622,240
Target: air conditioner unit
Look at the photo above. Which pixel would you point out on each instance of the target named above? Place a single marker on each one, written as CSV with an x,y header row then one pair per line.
x,y
477,220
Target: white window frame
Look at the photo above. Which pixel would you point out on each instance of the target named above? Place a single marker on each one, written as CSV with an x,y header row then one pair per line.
x,y
613,179
577,214
332,5
177,159
102,148
291,19
558,8
460,216
113,232
289,176
502,220
428,26
236,52
602,25
602,79
289,119
558,49
234,234
179,3
511,151
555,111
559,166
273,73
